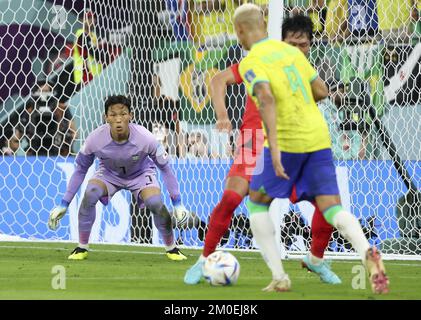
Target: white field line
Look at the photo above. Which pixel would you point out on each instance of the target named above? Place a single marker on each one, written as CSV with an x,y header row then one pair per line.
x,y
295,257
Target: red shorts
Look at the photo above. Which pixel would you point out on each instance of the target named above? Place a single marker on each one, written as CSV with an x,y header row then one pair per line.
x,y
249,147
242,169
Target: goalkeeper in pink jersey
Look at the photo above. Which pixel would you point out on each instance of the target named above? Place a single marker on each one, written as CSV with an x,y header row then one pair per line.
x,y
128,156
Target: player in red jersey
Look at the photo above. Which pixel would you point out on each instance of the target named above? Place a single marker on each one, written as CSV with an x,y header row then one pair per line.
x,y
297,31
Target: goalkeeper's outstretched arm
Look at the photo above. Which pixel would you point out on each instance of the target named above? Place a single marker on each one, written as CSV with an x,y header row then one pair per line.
x,y
83,162
162,160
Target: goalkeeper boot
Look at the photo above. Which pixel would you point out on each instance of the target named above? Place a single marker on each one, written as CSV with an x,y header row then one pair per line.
x,y
195,272
175,255
78,254
279,285
376,271
322,269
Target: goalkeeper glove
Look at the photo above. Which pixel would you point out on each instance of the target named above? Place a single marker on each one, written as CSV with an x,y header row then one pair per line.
x,y
56,214
180,212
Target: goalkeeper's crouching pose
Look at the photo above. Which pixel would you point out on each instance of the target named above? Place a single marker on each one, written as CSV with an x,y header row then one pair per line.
x,y
128,156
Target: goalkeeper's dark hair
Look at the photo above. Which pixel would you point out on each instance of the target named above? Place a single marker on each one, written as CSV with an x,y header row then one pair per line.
x,y
118,99
298,23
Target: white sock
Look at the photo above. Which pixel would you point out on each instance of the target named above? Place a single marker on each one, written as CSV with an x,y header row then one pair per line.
x,y
169,248
277,210
264,233
84,246
350,228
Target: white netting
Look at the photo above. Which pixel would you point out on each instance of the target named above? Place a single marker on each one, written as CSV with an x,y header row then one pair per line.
x,y
162,54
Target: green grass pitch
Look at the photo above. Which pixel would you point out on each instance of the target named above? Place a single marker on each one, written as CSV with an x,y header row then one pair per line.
x,y
134,272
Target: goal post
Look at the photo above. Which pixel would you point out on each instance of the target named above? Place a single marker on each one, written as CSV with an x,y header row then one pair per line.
x,y
275,17
162,54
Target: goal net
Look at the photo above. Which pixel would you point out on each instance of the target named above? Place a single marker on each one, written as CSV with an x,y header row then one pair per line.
x,y
60,60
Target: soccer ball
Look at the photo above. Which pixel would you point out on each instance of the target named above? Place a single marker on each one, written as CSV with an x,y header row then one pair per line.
x,y
221,268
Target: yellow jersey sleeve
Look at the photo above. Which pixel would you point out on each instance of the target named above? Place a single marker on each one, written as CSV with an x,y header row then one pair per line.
x,y
252,73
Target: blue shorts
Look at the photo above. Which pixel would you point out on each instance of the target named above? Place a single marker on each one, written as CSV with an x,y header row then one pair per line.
x,y
312,173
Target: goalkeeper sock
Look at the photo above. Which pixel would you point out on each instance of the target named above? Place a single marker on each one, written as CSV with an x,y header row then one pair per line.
x,y
321,232
162,220
220,220
349,227
264,233
87,212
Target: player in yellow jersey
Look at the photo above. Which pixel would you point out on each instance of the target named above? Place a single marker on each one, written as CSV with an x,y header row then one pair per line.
x,y
284,86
